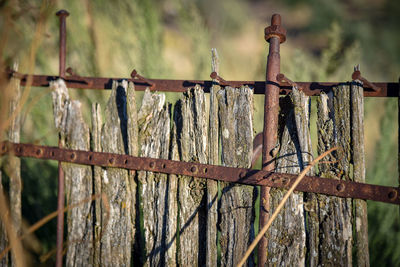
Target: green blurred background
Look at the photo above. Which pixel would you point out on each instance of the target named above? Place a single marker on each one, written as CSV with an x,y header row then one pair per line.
x,y
172,39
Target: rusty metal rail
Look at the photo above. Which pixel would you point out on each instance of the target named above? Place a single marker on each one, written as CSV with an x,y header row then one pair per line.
x,y
387,89
312,184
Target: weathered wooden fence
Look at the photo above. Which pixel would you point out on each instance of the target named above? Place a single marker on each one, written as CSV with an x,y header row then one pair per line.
x,y
155,219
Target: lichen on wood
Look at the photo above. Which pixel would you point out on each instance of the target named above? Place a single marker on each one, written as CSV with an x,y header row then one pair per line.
x,y
212,186
358,156
78,178
154,191
190,119
335,214
287,236
236,205
117,228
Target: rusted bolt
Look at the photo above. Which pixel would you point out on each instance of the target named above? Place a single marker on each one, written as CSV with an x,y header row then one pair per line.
x,y
90,157
72,156
392,195
340,187
111,160
275,30
38,152
19,149
163,166
357,76
125,161
134,74
152,165
205,170
282,78
220,80
193,169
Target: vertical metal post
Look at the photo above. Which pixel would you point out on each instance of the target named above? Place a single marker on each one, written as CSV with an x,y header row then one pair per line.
x,y
275,35
62,14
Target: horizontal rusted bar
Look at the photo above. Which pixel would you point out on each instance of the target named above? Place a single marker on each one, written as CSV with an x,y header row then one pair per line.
x,y
388,89
312,184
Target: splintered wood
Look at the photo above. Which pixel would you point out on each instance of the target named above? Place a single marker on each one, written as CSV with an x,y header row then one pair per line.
x,y
156,219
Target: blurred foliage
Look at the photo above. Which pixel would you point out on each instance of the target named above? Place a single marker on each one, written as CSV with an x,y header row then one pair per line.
x,y
172,39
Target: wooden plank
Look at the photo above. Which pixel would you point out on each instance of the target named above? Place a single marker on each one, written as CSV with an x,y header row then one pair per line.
x,y
335,214
117,228
358,156
78,178
213,158
212,186
190,117
287,245
97,123
154,140
236,206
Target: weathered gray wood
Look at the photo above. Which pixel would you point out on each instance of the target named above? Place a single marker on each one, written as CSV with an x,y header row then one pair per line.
x,y
97,123
212,186
117,228
78,179
236,210
172,219
154,140
357,134
133,149
335,214
191,122
287,236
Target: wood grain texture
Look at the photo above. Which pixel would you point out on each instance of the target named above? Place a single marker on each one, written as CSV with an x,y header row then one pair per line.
x,y
212,186
154,140
287,236
335,214
236,206
78,178
213,158
358,156
117,235
97,123
191,120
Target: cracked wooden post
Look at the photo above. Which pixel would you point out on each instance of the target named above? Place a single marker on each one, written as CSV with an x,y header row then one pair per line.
x,y
213,158
287,235
97,123
335,214
357,134
236,205
190,118
117,228
154,191
74,134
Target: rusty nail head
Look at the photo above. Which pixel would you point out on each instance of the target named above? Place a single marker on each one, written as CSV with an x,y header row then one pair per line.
x,y
62,13
275,30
